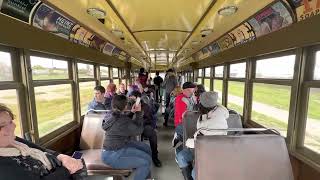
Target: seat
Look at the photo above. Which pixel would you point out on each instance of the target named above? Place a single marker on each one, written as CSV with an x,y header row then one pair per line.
x,y
190,119
91,142
234,122
244,157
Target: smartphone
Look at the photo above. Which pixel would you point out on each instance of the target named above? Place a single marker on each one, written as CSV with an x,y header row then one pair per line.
x,y
77,155
138,101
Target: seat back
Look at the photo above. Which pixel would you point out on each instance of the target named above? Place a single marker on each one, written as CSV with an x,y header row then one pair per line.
x,y
234,121
190,119
259,156
92,134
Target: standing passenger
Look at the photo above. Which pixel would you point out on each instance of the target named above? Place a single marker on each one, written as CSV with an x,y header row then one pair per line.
x,y
157,82
170,82
143,77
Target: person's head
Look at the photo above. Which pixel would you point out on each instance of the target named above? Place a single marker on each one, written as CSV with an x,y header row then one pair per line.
x,y
141,70
134,95
170,70
122,88
176,91
119,102
157,73
208,101
111,88
188,88
99,92
7,126
199,90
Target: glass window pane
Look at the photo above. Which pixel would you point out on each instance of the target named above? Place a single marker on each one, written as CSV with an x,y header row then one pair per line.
x,y
48,68
207,84
236,96
276,68
116,82
312,134
86,95
270,106
54,107
200,73
123,81
238,70
218,71
316,75
85,70
9,98
104,72
208,72
115,72
5,67
217,84
199,81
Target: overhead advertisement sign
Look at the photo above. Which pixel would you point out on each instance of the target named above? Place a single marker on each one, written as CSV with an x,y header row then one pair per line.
x,y
242,34
271,19
77,34
214,48
108,48
48,19
306,8
97,43
20,9
225,42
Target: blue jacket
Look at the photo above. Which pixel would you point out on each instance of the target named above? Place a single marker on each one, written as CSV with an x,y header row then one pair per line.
x,y
96,105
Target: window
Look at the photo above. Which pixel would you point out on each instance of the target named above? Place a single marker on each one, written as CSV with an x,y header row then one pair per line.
x,y
207,84
123,81
218,71
316,75
238,70
276,68
115,72
86,94
116,82
53,106
47,68
218,88
312,133
236,96
270,106
199,81
85,70
200,73
5,67
104,72
207,72
9,98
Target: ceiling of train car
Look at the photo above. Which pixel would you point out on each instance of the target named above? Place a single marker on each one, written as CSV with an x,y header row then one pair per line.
x,y
159,30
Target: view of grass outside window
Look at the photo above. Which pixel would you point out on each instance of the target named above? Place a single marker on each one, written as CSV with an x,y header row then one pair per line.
x,y
199,81
316,75
238,70
53,106
115,72
85,70
5,67
312,133
236,96
218,71
207,84
47,68
270,106
86,95
276,68
9,98
116,82
207,72
217,85
104,72
105,83
200,73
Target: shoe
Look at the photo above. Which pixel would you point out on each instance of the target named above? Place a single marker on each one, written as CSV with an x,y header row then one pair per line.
x,y
156,162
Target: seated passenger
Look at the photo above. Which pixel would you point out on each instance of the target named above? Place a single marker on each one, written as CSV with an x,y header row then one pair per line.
x,y
20,159
213,116
111,91
98,103
122,90
148,130
170,110
118,150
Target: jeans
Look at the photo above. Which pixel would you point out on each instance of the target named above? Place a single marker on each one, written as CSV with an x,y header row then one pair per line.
x,y
129,158
151,134
184,158
140,146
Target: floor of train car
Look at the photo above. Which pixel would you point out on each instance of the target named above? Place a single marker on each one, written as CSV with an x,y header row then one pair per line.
x,y
169,169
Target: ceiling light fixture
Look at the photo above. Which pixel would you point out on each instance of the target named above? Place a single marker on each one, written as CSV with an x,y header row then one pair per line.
x,y
194,43
227,11
97,12
205,32
117,33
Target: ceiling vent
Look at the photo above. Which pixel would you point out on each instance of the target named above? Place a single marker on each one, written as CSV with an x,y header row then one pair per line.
x,y
205,32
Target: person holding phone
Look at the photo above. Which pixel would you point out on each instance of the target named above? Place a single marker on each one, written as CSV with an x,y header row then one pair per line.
x,y
118,150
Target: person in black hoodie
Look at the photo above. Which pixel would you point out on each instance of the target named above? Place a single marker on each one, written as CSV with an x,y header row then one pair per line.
x,y
119,151
148,130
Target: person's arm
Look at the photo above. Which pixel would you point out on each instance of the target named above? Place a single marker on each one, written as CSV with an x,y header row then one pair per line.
x,y
180,108
33,145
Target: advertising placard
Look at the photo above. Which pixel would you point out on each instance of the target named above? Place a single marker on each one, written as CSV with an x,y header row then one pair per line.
x,y
97,43
225,42
242,34
306,8
214,48
20,9
108,48
77,34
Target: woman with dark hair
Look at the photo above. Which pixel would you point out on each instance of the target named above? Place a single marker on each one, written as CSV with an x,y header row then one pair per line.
x,y
21,159
198,91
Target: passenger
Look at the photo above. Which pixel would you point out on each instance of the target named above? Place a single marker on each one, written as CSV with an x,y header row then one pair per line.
x,y
111,91
122,89
21,159
170,82
170,110
132,88
118,150
198,91
157,81
98,103
148,125
213,116
143,77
